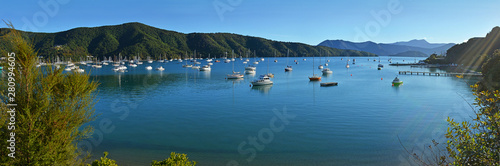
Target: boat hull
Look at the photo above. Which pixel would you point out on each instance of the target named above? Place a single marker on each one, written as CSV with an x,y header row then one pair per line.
x,y
314,78
397,83
261,83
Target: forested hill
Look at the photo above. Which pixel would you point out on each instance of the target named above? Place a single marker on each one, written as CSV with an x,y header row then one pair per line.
x,y
475,51
132,39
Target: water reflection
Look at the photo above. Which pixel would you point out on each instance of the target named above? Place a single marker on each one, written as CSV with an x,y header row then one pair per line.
x,y
263,88
205,74
327,74
235,81
396,87
250,74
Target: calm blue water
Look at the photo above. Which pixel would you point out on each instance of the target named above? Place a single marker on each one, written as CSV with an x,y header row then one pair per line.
x,y
153,113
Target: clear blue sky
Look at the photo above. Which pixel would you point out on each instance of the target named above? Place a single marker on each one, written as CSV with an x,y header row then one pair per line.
x,y
296,21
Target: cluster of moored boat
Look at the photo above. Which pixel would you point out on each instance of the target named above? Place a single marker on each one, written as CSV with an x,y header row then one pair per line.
x,y
264,79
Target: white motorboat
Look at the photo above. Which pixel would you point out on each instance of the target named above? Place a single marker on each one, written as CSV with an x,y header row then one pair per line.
x,y
206,68
263,80
160,68
149,68
327,71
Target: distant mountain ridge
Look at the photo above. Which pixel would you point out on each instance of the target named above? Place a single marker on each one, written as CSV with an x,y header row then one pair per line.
x,y
411,54
137,39
389,49
422,43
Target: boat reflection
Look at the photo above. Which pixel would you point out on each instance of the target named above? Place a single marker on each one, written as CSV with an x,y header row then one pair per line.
x,y
235,81
263,88
205,74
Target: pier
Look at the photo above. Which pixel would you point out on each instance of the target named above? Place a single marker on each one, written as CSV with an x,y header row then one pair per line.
x,y
438,73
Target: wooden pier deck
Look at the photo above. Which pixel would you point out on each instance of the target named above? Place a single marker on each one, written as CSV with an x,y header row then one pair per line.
x,y
438,73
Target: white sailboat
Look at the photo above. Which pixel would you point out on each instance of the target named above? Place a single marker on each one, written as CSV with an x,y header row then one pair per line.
x,y
234,75
271,75
149,60
195,62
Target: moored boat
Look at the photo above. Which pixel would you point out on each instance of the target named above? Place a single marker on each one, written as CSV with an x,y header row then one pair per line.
x,y
263,80
397,82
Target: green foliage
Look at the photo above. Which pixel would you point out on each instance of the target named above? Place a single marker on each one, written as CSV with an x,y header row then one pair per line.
x,y
491,72
51,109
435,59
175,159
135,38
477,142
105,161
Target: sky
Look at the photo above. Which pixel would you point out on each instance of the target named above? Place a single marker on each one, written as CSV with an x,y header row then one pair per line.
x,y
310,22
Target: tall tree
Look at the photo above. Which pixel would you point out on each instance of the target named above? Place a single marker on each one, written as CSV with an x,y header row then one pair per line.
x,y
51,109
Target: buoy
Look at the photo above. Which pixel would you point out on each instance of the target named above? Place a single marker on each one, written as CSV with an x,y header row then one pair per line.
x,y
381,78
351,74
250,85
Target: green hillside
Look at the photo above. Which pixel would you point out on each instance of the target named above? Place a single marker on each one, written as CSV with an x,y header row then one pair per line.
x,y
476,51
132,39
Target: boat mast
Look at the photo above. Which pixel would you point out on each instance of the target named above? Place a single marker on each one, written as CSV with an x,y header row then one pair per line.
x,y
232,51
313,65
287,51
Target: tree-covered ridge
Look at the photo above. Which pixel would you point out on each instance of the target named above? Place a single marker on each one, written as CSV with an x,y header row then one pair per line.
x,y
132,39
475,51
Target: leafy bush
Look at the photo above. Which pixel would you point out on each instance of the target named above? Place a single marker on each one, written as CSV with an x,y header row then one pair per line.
x,y
104,161
175,159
